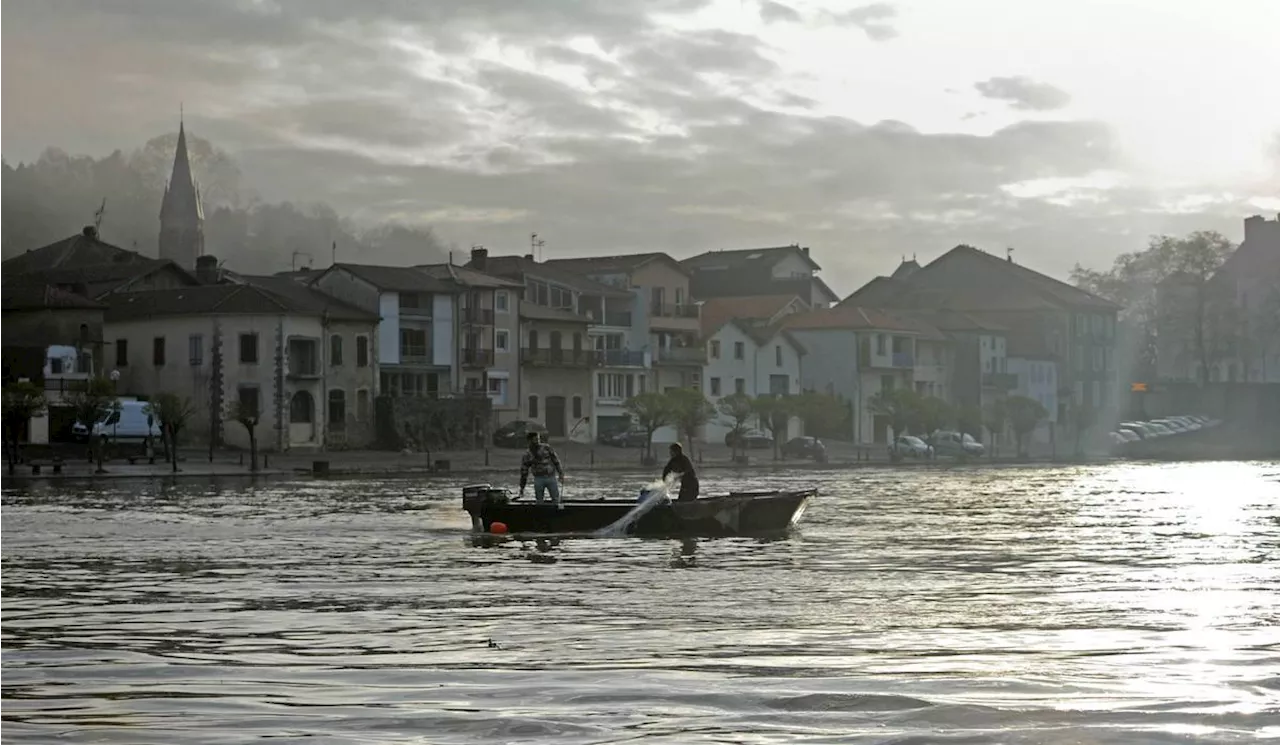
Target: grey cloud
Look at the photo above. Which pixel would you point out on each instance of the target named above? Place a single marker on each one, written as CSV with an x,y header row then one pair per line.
x,y
774,12
1023,93
873,19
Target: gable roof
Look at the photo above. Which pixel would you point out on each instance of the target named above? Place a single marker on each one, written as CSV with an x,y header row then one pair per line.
x,y
81,249
523,266
393,278
743,257
97,280
272,297
759,334
716,312
628,263
880,291
860,319
467,277
45,297
1052,291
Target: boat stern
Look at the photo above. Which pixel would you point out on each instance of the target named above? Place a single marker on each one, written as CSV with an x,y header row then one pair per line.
x,y
477,500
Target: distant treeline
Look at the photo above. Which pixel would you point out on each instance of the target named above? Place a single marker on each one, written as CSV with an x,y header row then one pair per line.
x,y
59,194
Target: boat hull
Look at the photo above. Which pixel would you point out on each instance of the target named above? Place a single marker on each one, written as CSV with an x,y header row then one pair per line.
x,y
736,514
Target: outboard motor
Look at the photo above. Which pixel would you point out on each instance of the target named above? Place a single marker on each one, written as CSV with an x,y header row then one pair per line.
x,y
476,499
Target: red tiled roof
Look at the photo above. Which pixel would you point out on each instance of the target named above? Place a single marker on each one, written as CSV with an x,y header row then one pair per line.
x,y
863,319
716,312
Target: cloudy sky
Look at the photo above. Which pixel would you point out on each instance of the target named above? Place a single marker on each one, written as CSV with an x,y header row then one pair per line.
x,y
1067,129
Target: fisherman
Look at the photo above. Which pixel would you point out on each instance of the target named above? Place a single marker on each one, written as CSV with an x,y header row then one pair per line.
x,y
680,464
543,462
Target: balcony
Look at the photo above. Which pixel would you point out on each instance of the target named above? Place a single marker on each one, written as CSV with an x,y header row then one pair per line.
x,y
619,318
672,310
682,356
580,358
903,359
303,359
477,316
619,358
1000,381
476,357
413,354
895,361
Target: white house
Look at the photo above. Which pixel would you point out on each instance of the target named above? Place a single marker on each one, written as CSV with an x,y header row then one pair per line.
x,y
753,360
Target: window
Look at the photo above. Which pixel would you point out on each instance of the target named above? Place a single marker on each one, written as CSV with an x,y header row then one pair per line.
x,y
679,296
301,408
502,340
501,301
362,404
739,350
715,386
533,340
561,298
577,408
886,382
715,349
879,343
195,349
498,390
122,352
611,385
249,349
337,407
157,351
247,399
777,355
335,350
740,386
362,351
413,345
533,407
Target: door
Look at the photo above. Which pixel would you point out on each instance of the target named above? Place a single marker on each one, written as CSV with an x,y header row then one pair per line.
x,y
555,416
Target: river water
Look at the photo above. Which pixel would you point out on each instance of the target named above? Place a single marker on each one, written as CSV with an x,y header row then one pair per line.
x,y
1113,604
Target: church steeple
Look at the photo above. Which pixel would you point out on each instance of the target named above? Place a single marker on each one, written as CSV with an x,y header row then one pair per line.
x,y
181,214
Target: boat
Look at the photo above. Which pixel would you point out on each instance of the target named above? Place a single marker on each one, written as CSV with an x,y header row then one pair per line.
x,y
747,513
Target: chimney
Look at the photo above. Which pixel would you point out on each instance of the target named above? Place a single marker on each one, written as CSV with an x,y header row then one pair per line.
x,y
207,269
529,257
479,257
91,231
805,250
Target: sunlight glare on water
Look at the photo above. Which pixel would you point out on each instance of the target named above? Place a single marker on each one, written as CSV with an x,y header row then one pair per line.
x,y
1129,603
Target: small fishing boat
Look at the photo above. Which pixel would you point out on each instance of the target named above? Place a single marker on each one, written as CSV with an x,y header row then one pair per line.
x,y
732,514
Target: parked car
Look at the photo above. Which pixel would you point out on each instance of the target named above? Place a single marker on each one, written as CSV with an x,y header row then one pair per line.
x,y
515,434
805,447
751,439
910,446
956,445
633,437
129,422
1138,428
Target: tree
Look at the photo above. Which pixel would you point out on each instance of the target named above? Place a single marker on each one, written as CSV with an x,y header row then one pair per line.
x,y
774,412
172,412
932,414
995,416
899,405
95,404
1082,417
650,411
738,408
968,420
690,410
22,400
248,418
823,415
1025,414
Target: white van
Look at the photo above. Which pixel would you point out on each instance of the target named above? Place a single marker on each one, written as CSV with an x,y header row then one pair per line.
x,y
129,422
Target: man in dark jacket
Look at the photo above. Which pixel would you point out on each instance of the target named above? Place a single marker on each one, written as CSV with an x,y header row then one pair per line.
x,y
544,464
680,464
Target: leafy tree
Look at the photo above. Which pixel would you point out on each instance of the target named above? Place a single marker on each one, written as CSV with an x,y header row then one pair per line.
x,y
1025,414
995,416
94,404
651,411
173,413
774,412
899,404
738,408
22,400
968,420
248,417
690,410
932,413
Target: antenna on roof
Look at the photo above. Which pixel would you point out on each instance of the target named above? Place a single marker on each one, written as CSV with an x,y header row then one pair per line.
x,y
1008,254
334,255
97,217
535,245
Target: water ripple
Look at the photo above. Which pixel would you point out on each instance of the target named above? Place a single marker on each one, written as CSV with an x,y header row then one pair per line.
x,y
1118,604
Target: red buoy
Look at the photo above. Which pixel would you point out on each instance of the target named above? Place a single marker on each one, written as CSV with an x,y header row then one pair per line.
x,y
498,528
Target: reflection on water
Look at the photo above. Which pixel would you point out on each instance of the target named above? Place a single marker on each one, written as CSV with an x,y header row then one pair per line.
x,y
1121,604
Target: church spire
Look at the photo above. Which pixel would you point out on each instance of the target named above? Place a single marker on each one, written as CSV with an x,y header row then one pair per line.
x,y
181,214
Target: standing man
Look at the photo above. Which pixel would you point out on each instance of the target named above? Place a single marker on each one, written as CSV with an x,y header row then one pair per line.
x,y
543,462
682,466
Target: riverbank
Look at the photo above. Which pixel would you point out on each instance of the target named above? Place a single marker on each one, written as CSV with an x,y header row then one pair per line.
x,y
492,464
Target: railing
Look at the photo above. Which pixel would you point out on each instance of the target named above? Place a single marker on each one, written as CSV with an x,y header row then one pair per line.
x,y
415,355
478,316
303,368
415,311
1000,381
682,356
477,357
620,318
619,358
672,310
558,357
